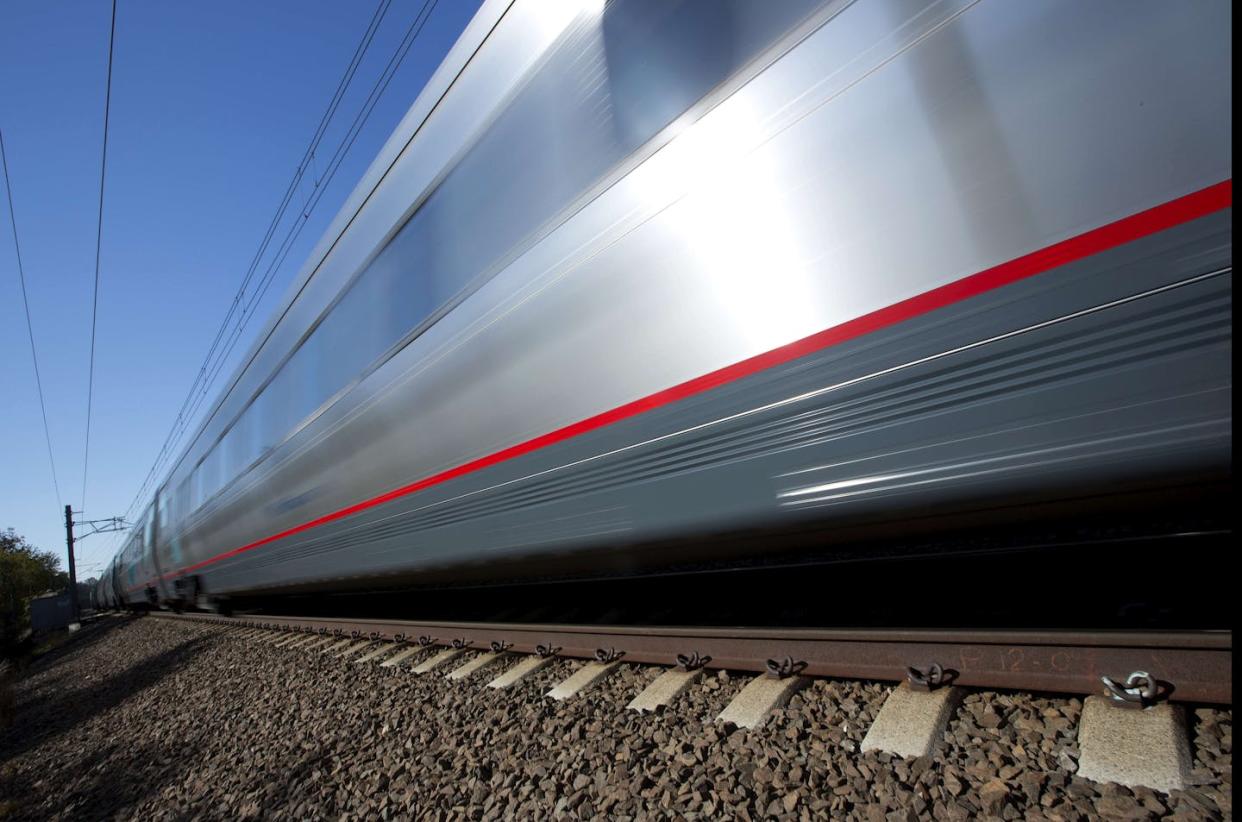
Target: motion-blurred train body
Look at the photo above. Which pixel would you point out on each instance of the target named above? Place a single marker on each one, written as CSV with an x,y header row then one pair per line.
x,y
633,274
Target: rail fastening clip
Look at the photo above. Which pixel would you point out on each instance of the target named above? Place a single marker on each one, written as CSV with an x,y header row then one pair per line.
x,y
1140,690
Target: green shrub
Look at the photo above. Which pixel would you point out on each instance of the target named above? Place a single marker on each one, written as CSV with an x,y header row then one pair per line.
x,y
25,571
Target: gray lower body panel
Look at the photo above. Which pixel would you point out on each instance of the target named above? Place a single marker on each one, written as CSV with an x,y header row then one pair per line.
x,y
1110,373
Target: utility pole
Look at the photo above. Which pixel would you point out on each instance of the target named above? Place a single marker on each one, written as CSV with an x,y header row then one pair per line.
x,y
98,526
74,612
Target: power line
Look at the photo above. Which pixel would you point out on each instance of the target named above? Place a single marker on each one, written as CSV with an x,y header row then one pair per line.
x,y
185,413
200,389
34,356
103,169
338,157
360,119
299,174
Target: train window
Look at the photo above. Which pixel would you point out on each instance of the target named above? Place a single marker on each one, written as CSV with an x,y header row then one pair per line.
x,y
266,416
207,475
204,480
334,350
409,291
279,403
608,86
224,451
210,468
255,440
199,496
196,489
182,508
257,444
148,539
302,385
665,55
216,458
239,445
162,523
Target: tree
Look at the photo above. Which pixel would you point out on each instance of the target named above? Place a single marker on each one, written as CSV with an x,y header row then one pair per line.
x,y
25,571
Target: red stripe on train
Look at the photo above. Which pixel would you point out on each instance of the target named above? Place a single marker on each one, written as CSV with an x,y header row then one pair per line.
x,y
1168,215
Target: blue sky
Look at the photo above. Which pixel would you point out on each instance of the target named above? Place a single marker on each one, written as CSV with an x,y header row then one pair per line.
x,y
213,105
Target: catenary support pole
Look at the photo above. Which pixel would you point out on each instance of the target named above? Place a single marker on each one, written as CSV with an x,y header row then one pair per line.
x,y
73,571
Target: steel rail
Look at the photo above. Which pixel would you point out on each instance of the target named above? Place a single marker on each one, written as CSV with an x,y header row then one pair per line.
x,y
1196,665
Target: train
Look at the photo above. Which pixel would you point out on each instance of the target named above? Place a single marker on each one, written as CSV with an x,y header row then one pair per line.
x,y
642,282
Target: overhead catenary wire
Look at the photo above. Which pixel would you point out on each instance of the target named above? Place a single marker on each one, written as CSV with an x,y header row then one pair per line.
x,y
338,158
298,177
184,414
334,164
201,387
103,171
34,354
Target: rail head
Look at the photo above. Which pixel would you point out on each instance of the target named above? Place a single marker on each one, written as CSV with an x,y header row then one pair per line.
x,y
1196,666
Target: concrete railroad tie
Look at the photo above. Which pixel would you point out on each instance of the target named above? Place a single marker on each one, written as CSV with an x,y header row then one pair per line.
x,y
1137,748
667,687
478,663
319,643
581,679
334,647
357,647
437,660
400,656
911,721
520,671
306,640
383,649
750,708
1146,747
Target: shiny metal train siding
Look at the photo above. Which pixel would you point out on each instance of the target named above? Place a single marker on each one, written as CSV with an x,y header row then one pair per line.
x,y
861,431
875,152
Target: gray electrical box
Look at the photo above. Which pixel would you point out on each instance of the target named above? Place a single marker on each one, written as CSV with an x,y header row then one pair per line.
x,y
50,611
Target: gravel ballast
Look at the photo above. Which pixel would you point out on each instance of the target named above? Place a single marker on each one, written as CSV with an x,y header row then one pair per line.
x,y
147,718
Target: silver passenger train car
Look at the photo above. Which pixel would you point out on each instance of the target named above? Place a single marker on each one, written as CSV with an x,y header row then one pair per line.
x,y
634,272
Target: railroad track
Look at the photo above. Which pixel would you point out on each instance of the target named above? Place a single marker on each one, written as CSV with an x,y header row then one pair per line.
x,y
1195,666
1152,671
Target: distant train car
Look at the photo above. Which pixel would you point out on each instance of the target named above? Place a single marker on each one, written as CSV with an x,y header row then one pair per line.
x,y
636,272
106,593
99,594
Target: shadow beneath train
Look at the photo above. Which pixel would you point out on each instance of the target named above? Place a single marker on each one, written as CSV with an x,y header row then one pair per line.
x,y
64,705
42,665
78,789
